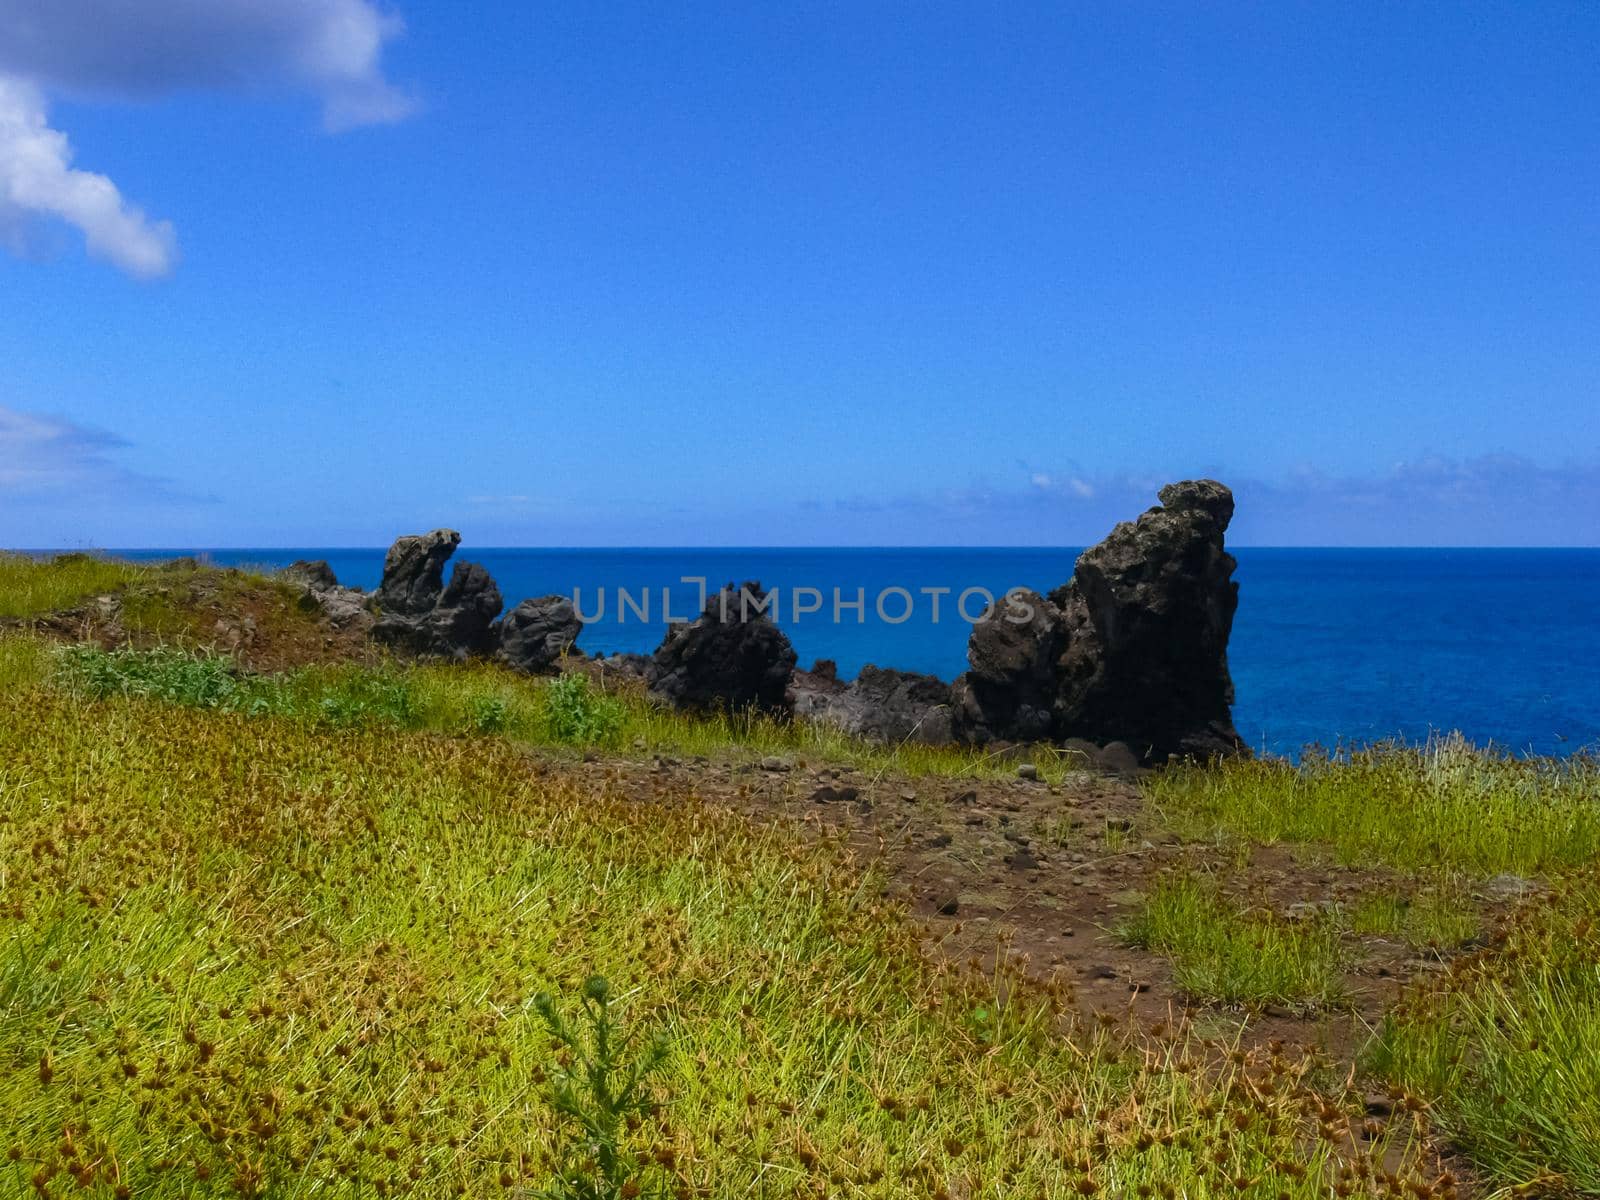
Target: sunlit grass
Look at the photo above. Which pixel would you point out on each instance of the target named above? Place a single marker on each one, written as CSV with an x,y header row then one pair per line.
x,y
1505,1045
1440,919
1443,807
1228,954
481,698
32,587
250,955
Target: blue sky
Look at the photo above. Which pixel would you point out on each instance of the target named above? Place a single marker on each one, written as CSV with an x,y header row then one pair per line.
x,y
809,274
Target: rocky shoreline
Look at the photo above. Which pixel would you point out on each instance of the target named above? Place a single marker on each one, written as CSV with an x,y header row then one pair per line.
x,y
1126,662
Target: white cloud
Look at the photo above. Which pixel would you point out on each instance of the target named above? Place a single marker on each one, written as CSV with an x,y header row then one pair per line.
x,y
37,179
143,49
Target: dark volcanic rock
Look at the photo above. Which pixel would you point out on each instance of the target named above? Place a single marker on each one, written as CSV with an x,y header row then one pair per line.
x,y
1133,649
342,606
889,705
536,634
419,613
1009,689
731,656
413,572
465,613
314,573
627,666
1147,617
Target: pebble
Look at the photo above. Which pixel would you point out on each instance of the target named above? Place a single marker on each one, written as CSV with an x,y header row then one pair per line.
x,y
1027,771
827,794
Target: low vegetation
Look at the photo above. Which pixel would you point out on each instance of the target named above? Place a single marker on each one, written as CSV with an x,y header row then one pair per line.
x,y
569,710
255,955
267,933
1440,919
1230,954
33,587
1445,806
1506,1044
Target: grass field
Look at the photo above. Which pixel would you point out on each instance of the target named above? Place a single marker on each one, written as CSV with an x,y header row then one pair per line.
x,y
487,700
30,587
1442,807
291,934
245,955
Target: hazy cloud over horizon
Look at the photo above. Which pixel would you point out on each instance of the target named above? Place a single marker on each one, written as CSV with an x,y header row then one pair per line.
x,y
69,471
330,48
44,456
1489,500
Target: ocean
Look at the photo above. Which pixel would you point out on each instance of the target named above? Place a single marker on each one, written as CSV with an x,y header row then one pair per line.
x,y
1329,646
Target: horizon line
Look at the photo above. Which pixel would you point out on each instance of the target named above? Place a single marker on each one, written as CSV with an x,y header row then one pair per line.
x,y
755,546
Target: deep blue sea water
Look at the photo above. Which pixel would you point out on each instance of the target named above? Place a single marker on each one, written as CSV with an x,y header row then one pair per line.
x,y
1329,646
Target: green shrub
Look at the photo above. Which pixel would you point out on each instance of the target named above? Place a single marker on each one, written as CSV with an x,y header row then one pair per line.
x,y
360,697
578,714
488,714
162,674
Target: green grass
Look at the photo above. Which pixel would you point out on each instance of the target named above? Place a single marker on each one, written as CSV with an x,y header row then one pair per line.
x,y
32,587
1444,807
24,660
1439,919
1505,1045
1228,955
484,699
256,955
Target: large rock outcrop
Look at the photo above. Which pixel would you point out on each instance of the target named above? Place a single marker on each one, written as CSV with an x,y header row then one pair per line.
x,y
1148,614
413,572
420,613
730,657
1132,649
536,634
887,705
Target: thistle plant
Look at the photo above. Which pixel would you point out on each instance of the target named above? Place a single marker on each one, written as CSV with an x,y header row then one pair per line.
x,y
600,1087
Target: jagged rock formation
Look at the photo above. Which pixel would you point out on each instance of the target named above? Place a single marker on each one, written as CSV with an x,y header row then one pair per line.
x,y
1129,655
1148,613
418,612
891,706
536,634
1009,689
1133,648
729,657
413,572
344,607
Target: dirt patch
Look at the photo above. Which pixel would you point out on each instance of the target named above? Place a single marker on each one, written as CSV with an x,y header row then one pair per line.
x,y
1045,874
